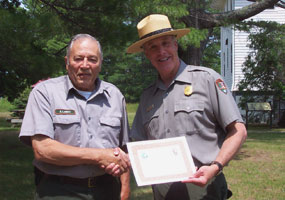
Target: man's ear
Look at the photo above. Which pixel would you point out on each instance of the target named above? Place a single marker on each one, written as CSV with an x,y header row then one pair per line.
x,y
145,53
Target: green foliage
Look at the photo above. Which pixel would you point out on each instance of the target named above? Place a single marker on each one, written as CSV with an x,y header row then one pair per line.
x,y
21,101
34,36
22,52
5,105
172,8
9,4
131,73
212,57
194,37
85,16
264,68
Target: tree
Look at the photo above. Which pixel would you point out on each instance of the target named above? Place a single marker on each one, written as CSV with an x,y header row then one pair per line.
x,y
131,74
107,20
264,68
24,54
41,31
121,16
9,4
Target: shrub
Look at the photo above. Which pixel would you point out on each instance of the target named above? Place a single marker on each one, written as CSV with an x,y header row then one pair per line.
x,y
21,101
5,105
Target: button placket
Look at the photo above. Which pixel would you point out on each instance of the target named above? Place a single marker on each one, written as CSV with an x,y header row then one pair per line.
x,y
166,114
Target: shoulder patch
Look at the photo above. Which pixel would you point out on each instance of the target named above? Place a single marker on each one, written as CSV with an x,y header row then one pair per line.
x,y
221,85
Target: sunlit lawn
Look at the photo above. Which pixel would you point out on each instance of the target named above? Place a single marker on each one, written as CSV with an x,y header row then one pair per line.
x,y
258,171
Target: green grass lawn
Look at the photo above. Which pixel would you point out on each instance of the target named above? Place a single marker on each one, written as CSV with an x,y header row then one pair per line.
x,y
256,173
131,109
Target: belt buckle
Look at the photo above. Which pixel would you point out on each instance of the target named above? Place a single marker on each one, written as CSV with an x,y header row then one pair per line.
x,y
91,182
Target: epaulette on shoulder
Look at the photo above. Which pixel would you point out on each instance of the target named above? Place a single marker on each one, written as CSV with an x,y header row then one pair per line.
x,y
200,68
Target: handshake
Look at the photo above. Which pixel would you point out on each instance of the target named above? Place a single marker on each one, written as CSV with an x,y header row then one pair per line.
x,y
115,161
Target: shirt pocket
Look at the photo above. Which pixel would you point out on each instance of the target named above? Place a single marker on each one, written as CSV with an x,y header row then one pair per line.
x,y
188,116
67,129
151,125
109,130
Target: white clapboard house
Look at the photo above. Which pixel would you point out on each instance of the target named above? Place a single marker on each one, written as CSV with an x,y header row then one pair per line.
x,y
234,48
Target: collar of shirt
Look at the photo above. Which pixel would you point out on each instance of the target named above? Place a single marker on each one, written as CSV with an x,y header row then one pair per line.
x,y
99,89
181,76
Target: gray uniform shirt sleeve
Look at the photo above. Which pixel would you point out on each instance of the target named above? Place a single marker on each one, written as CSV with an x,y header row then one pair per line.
x,y
223,104
38,116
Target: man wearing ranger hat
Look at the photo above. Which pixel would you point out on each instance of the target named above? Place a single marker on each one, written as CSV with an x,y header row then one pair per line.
x,y
190,101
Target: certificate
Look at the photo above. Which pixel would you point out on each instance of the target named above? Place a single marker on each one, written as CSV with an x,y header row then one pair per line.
x,y
161,161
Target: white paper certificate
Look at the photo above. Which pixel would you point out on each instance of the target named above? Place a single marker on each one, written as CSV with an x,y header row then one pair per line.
x,y
161,161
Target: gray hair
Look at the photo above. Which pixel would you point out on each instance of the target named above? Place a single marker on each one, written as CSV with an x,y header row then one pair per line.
x,y
80,36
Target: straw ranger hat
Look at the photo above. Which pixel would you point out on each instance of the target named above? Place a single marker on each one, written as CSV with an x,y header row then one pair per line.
x,y
154,26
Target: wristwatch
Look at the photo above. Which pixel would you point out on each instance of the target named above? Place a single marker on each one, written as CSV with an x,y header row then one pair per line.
x,y
220,166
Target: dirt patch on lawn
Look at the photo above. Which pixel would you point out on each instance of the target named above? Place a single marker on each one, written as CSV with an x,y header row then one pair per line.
x,y
254,155
5,114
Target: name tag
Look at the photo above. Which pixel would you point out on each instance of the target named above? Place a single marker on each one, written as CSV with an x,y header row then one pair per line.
x,y
64,112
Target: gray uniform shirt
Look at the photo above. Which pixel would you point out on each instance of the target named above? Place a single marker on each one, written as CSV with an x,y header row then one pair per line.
x,y
57,110
197,105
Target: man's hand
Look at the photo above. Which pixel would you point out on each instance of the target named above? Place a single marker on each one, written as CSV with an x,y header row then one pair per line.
x,y
120,165
203,175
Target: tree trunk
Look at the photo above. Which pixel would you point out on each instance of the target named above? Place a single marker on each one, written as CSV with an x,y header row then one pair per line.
x,y
191,56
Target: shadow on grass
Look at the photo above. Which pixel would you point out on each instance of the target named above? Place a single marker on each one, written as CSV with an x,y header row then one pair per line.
x,y
16,171
261,135
242,154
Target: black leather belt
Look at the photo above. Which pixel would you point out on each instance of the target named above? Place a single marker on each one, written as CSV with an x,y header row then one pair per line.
x,y
84,182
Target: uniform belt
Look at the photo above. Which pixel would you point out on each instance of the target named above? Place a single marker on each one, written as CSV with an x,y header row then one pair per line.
x,y
84,182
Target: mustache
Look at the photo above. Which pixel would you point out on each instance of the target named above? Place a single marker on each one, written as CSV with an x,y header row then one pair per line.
x,y
84,72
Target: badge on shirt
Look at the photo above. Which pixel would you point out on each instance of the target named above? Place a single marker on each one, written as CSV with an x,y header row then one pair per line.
x,y
221,85
64,112
188,90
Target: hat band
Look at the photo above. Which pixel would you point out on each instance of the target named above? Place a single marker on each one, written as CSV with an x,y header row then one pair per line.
x,y
156,32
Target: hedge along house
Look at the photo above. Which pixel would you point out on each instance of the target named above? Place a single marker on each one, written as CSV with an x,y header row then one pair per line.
x,y
234,49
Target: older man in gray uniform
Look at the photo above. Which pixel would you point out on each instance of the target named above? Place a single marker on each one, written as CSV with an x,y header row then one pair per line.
x,y
77,125
188,101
